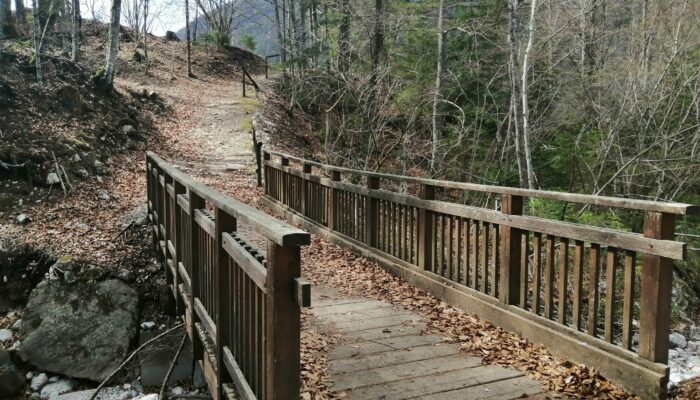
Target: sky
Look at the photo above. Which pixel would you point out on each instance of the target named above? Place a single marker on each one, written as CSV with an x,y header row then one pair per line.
x,y
169,15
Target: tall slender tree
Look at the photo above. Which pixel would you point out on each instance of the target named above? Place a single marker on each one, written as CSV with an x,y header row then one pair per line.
x,y
188,38
75,30
107,78
437,126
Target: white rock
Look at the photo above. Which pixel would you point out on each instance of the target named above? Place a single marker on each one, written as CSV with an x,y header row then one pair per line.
x,y
148,325
177,391
675,377
39,381
76,158
54,379
56,388
52,179
23,219
29,375
17,325
128,129
672,353
153,396
15,346
677,340
5,334
104,196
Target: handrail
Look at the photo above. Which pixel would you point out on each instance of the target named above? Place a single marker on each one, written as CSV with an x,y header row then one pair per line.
x,y
272,228
633,204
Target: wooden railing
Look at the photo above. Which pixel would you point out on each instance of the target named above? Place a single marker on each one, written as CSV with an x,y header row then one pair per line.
x,y
581,290
241,305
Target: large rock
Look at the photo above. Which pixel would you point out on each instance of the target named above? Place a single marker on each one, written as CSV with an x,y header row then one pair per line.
x,y
81,330
11,379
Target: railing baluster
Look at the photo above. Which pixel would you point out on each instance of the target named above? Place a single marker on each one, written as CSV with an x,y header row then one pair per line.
x,y
223,222
426,221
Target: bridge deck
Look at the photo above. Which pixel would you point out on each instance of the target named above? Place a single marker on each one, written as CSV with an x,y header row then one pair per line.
x,y
382,353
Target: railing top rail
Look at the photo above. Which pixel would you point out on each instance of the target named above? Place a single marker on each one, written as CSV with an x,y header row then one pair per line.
x,y
270,227
618,202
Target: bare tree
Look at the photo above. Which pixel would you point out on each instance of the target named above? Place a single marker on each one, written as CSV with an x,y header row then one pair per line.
x,y
188,38
437,135
531,180
107,77
75,30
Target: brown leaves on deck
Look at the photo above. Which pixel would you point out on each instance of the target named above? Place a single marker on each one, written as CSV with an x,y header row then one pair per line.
x,y
353,275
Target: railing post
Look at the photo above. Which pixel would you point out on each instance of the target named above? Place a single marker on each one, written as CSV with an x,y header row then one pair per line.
x,y
258,161
266,157
195,203
335,177
509,291
223,222
426,225
306,169
179,247
655,296
283,323
285,181
372,213
167,211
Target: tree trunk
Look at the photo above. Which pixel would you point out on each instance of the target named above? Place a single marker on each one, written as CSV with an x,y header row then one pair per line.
x,y
37,44
145,33
188,38
2,23
514,114
437,119
20,13
112,46
344,38
531,180
75,31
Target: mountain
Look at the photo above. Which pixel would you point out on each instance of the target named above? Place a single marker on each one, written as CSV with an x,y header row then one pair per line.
x,y
255,18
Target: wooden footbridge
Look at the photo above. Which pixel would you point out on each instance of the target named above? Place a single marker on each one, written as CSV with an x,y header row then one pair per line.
x,y
593,295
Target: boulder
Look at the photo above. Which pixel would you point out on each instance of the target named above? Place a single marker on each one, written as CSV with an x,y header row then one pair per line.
x,y
39,381
171,36
11,379
53,179
23,219
677,340
5,334
80,330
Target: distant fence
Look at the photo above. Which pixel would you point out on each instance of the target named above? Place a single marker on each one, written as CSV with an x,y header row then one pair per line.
x,y
580,290
241,306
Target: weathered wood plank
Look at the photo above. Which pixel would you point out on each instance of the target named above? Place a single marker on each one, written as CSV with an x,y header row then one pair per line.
x,y
402,356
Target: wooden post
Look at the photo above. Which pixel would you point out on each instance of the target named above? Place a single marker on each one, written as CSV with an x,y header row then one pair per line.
x,y
223,222
426,224
335,177
304,190
179,248
258,161
285,187
372,213
166,224
655,296
195,203
243,81
283,323
511,249
266,157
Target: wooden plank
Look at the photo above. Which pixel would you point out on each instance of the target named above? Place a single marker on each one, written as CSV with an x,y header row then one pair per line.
x,y
563,280
430,384
524,268
425,231
222,293
642,205
629,298
485,232
360,349
514,388
204,221
593,298
205,319
302,292
242,387
377,322
397,357
414,328
414,369
549,278
536,272
475,254
578,286
252,267
185,276
610,283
